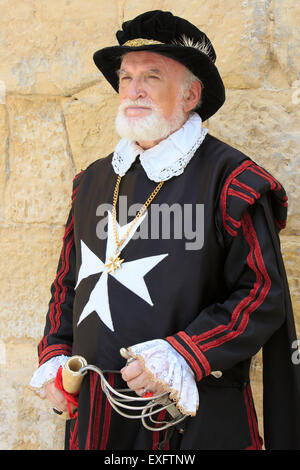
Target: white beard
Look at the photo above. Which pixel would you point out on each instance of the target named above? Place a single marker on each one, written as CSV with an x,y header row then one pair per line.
x,y
149,128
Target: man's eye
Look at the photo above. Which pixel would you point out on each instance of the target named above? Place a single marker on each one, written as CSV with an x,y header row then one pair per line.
x,y
125,78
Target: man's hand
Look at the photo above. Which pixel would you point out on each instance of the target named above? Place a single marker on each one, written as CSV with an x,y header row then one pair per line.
x,y
56,397
138,380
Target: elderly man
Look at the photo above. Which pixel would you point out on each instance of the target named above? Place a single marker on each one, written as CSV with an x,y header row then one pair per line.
x,y
192,315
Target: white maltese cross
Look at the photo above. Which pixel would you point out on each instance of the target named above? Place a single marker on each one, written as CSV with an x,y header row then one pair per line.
x,y
129,273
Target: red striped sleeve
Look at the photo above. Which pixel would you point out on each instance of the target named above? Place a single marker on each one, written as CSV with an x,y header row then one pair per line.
x,y
250,303
57,339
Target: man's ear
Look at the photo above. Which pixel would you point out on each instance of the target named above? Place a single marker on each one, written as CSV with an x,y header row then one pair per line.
x,y
192,96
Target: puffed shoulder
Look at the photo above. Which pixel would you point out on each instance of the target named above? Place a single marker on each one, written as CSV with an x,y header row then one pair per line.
x,y
245,185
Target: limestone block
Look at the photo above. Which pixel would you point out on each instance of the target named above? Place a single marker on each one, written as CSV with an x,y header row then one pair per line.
x,y
239,31
89,117
27,421
256,369
28,259
286,37
47,47
4,142
40,162
265,126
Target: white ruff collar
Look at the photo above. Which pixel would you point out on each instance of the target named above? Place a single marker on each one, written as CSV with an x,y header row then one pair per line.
x,y
166,159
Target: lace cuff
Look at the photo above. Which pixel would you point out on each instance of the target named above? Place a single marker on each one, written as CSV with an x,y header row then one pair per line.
x,y
46,373
171,371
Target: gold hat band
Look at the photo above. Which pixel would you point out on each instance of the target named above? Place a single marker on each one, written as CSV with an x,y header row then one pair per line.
x,y
141,42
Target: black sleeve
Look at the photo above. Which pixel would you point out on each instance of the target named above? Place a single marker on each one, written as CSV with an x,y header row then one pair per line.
x,y
58,332
226,333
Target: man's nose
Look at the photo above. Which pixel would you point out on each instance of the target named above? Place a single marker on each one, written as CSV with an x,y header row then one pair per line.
x,y
136,89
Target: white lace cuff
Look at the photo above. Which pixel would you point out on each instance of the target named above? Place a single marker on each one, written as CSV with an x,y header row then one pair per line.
x,y
171,370
46,373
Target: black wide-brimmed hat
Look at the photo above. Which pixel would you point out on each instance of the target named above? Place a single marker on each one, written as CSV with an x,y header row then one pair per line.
x,y
163,33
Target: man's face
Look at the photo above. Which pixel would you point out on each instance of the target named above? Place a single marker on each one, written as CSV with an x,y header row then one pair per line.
x,y
150,76
151,96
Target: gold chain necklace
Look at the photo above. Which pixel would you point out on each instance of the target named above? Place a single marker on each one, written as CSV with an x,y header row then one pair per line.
x,y
114,261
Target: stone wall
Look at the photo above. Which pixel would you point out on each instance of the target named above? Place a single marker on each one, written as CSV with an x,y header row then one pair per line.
x,y
57,116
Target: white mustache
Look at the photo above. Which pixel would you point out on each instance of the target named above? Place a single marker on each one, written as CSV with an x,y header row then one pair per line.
x,y
137,103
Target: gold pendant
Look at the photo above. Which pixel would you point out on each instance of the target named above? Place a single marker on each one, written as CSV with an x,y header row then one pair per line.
x,y
114,263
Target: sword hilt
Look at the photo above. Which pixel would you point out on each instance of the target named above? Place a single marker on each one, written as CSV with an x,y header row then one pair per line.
x,y
126,354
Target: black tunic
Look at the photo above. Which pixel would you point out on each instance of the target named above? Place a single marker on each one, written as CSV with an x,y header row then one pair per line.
x,y
216,302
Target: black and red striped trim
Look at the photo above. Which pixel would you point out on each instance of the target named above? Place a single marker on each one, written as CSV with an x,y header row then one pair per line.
x,y
59,292
256,440
107,417
75,186
73,440
192,354
99,415
242,188
54,350
160,436
224,196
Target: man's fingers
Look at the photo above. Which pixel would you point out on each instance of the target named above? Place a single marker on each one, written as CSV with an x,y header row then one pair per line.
x,y
134,369
139,382
55,397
